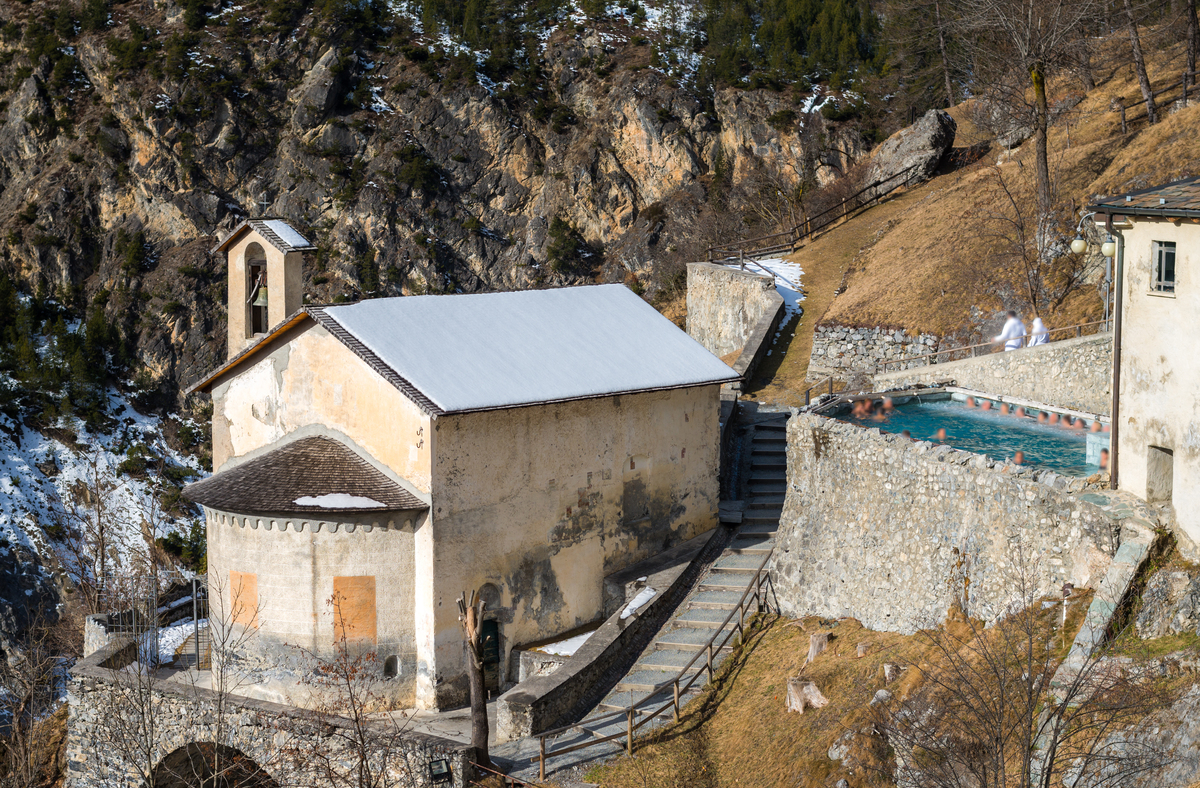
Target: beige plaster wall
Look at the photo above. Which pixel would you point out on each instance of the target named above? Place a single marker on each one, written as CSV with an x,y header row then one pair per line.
x,y
542,502
295,564
315,382
1160,375
285,288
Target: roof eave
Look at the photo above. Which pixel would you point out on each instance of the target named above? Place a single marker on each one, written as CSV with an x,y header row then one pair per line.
x,y
1129,210
718,382
250,350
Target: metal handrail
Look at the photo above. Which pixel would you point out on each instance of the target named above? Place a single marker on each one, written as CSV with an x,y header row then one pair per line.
x,y
1077,328
807,228
819,384
756,585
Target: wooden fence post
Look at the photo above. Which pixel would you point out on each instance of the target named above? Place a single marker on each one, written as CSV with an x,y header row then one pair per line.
x,y
542,758
677,699
628,731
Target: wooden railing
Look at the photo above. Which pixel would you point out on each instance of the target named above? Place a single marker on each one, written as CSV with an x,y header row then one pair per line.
x,y
507,780
1118,104
754,591
992,346
740,250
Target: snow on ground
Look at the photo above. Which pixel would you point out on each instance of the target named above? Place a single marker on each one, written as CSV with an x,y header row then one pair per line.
x,y
787,282
161,650
565,648
42,478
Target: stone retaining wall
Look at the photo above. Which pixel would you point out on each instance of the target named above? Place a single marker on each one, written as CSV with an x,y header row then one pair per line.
x,y
267,733
840,349
1071,373
725,304
890,531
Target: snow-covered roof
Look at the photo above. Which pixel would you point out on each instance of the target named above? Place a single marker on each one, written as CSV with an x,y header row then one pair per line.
x,y
498,350
276,232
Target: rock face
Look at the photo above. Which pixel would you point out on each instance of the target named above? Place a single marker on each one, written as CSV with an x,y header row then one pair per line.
x,y
1170,605
323,85
920,146
24,591
410,176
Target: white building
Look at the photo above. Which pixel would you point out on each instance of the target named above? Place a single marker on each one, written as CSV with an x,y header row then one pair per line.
x,y
1156,423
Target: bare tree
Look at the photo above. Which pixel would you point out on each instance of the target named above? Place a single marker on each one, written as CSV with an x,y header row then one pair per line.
x,y
1015,47
993,710
470,615
32,681
1193,39
222,645
1139,64
91,527
1028,245
347,692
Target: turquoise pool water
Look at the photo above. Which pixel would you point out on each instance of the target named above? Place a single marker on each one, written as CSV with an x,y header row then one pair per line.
x,y
1060,449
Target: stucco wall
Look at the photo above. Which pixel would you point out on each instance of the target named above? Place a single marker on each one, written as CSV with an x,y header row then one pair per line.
x,y
289,566
725,304
315,383
884,529
1071,373
1160,376
544,501
842,349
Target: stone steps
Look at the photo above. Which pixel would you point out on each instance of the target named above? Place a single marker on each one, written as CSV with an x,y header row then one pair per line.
x,y
715,596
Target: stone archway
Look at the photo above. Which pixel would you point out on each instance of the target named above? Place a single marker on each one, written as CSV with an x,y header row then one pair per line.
x,y
209,765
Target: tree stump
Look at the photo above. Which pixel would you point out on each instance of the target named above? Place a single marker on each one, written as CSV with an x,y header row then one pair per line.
x,y
891,672
802,693
862,649
817,643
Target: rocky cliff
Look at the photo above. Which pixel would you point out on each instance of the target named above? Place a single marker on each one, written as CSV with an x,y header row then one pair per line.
x,y
129,144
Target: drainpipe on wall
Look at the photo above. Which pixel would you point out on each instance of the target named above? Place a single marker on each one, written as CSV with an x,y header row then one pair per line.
x,y
1119,262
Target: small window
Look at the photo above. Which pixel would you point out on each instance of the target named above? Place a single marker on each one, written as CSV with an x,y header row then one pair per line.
x,y
1164,267
391,667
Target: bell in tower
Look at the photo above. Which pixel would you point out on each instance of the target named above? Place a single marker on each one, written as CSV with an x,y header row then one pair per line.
x,y
265,260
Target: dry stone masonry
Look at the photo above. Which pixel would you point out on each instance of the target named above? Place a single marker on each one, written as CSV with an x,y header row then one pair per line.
x,y
269,734
1071,373
839,349
892,531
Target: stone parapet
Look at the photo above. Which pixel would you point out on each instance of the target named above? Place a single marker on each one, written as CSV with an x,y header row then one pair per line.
x,y
894,532
844,349
1070,373
725,305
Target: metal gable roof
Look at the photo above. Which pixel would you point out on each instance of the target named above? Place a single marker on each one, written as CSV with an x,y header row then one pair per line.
x,y
499,350
276,232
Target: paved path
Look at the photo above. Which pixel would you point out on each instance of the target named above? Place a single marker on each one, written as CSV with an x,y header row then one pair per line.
x,y
717,593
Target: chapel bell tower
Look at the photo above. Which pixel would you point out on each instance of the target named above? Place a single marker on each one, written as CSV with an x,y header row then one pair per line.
x,y
266,277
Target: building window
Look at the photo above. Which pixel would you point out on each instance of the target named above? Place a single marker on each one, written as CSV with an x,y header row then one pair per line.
x,y
1164,267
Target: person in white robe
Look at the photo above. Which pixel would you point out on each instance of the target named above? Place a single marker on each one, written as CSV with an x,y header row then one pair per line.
x,y
1039,334
1013,334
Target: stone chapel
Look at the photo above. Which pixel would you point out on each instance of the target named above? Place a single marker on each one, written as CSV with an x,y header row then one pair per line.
x,y
391,454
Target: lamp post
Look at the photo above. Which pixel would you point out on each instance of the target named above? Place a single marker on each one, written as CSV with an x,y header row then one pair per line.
x,y
1108,249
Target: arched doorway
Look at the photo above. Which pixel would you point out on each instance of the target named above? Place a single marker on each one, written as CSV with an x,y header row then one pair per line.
x,y
208,765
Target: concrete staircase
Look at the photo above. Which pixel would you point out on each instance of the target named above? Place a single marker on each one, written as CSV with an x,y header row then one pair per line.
x,y
698,616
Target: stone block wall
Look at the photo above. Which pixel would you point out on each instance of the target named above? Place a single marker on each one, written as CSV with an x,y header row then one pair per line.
x,y
842,349
725,304
892,532
270,734
1071,373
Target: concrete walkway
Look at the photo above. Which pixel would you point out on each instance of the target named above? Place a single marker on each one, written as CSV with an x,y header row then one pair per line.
x,y
697,618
